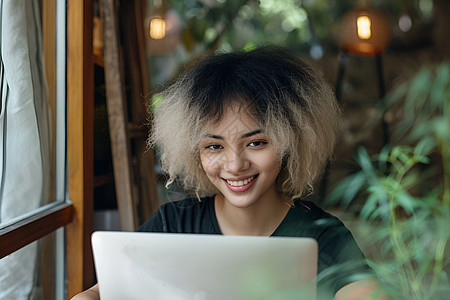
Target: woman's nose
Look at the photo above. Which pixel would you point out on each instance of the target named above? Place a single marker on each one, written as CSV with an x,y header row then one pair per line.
x,y
236,161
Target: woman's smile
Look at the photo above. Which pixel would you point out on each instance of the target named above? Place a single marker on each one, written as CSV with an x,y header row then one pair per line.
x,y
241,185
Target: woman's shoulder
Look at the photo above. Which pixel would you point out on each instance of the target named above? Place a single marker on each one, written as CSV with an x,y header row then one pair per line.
x,y
190,203
310,209
306,218
189,215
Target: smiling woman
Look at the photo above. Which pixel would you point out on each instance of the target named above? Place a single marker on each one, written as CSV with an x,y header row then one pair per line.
x,y
248,134
258,127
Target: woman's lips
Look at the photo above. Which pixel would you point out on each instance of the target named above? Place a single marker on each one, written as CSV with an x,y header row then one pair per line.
x,y
240,186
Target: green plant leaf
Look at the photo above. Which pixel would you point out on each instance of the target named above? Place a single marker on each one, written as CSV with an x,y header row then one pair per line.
x,y
369,207
406,202
419,88
354,185
440,86
346,190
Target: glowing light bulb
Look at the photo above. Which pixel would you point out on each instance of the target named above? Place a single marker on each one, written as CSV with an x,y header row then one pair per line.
x,y
157,28
405,23
364,25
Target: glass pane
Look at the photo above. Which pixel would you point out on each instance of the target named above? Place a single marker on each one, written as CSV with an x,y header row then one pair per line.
x,y
32,138
30,272
28,107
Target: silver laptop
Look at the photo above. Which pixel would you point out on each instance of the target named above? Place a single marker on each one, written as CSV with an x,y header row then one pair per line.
x,y
132,265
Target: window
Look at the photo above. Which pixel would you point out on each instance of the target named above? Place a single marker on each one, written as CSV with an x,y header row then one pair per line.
x,y
55,210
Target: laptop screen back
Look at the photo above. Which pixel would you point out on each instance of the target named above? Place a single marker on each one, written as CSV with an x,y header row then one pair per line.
x,y
132,265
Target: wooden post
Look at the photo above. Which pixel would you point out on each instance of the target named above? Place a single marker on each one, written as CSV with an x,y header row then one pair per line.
x,y
47,270
118,119
80,114
138,82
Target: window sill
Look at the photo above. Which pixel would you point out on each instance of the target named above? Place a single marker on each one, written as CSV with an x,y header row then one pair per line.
x,y
34,227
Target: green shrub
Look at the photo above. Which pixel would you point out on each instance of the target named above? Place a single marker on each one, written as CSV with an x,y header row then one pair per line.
x,y
403,192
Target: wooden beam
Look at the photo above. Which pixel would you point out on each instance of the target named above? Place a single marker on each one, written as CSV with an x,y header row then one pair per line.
x,y
49,44
49,48
80,114
118,118
132,15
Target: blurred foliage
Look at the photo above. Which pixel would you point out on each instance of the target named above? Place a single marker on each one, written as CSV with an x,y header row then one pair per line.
x,y
296,24
404,191
303,26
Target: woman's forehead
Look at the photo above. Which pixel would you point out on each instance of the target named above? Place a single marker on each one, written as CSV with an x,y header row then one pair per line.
x,y
233,119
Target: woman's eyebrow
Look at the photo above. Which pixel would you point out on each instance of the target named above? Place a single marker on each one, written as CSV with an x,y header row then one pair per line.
x,y
249,134
245,135
213,136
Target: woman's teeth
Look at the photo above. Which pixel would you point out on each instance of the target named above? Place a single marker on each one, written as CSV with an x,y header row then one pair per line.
x,y
240,182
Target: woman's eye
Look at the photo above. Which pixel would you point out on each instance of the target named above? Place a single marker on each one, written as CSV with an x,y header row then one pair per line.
x,y
214,147
257,144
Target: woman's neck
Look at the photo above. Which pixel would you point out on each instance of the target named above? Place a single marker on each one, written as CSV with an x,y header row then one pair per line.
x,y
258,220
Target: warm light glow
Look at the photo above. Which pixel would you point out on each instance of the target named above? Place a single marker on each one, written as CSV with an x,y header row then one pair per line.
x,y
364,24
405,23
157,28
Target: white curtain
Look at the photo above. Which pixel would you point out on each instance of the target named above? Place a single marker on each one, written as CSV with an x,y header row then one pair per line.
x,y
24,135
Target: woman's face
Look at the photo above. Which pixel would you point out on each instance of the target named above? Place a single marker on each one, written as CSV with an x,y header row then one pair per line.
x,y
239,160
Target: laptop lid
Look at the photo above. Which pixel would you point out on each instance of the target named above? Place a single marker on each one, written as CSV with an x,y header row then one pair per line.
x,y
136,265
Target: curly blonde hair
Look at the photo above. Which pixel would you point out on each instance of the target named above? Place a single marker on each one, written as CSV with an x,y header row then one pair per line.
x,y
295,108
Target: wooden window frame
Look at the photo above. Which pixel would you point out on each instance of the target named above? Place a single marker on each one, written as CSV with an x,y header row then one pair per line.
x,y
80,114
28,230
46,219
76,214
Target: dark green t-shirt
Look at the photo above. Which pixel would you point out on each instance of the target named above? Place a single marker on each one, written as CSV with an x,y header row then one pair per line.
x,y
340,259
